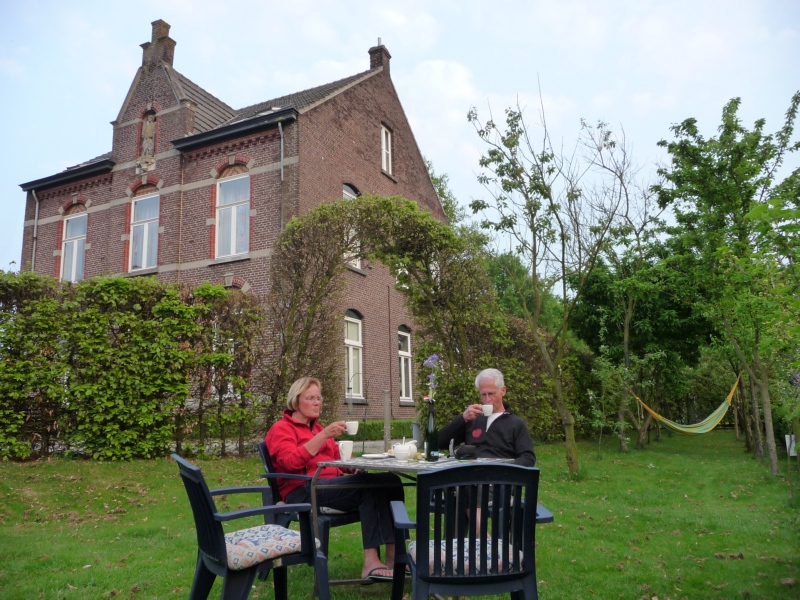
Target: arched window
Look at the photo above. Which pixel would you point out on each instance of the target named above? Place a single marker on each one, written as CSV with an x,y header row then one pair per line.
x,y
233,216
144,232
73,246
353,350
350,192
404,354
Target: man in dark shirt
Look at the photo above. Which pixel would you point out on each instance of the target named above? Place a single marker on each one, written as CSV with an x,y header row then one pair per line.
x,y
500,435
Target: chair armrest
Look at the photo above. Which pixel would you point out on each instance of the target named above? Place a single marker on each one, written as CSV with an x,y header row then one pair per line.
x,y
249,489
262,510
543,515
286,476
400,515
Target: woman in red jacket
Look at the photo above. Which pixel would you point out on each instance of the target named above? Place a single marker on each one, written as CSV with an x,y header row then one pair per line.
x,y
298,442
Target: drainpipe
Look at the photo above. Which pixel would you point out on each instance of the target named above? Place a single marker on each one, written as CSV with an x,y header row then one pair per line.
x,y
283,208
280,132
35,232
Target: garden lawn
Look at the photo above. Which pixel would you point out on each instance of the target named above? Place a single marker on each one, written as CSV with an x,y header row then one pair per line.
x,y
686,518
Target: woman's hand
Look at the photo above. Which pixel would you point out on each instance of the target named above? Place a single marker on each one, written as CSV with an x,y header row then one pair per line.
x,y
334,430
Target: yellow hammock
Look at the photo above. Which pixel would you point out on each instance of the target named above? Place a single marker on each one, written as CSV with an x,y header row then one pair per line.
x,y
703,426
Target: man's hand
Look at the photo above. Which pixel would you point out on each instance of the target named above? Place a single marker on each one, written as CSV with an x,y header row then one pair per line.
x,y
472,411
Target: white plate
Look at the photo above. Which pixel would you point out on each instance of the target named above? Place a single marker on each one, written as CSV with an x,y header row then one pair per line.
x,y
374,456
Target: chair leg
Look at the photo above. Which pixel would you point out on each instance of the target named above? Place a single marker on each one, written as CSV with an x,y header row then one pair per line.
x,y
280,583
321,577
237,584
203,581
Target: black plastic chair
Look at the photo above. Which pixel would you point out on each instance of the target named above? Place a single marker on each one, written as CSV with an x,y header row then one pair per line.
x,y
239,556
326,518
475,533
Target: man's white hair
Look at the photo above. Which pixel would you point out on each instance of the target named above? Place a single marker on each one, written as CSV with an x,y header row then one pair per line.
x,y
494,374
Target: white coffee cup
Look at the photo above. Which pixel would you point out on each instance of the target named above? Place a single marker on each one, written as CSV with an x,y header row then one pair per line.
x,y
352,427
346,449
487,409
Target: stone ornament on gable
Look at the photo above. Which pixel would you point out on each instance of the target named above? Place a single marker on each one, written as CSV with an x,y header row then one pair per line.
x,y
147,161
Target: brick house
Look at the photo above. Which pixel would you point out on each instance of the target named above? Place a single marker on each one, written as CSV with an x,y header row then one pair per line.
x,y
194,190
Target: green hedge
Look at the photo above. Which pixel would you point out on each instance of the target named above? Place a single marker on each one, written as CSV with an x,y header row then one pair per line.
x,y
373,430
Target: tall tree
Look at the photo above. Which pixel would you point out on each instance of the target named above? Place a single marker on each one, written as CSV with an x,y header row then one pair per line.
x,y
557,224
712,185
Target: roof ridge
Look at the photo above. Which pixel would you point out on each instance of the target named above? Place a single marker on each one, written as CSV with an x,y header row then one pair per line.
x,y
336,83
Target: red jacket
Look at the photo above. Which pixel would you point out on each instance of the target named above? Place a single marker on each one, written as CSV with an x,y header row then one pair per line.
x,y
285,443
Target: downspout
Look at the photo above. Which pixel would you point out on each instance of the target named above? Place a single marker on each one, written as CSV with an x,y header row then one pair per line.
x,y
283,208
35,232
180,217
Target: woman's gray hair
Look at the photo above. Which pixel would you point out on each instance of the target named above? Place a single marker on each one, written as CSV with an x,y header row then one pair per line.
x,y
494,374
298,387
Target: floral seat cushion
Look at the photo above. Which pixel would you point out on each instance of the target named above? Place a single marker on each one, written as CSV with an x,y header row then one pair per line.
x,y
248,547
412,551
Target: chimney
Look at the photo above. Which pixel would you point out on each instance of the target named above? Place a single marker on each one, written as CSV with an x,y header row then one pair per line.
x,y
161,48
379,57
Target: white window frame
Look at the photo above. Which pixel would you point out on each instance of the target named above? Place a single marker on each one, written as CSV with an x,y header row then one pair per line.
x,y
77,245
353,356
144,228
406,387
386,149
350,193
233,208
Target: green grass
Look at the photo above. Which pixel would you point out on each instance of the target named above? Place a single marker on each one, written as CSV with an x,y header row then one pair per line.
x,y
686,518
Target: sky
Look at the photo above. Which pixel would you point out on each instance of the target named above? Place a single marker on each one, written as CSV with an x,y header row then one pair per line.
x,y
639,65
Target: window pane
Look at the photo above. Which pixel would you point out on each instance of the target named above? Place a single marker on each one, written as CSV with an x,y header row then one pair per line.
x,y
224,226
146,209
403,342
76,227
80,258
356,381
242,228
137,245
69,249
234,191
152,244
351,331
405,366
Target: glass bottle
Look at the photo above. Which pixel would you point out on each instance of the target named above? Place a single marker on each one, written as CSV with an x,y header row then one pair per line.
x,y
431,433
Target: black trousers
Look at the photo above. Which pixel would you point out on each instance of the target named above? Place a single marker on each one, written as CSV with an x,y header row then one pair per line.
x,y
371,499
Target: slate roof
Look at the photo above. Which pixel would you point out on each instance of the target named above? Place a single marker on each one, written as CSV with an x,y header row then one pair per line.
x,y
96,159
299,100
211,111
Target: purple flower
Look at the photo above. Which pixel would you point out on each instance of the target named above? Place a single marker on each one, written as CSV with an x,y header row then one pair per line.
x,y
431,362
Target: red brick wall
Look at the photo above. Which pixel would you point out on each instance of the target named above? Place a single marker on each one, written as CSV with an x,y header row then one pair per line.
x,y
337,142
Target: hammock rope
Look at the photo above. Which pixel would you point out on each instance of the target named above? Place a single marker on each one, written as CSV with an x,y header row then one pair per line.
x,y
703,426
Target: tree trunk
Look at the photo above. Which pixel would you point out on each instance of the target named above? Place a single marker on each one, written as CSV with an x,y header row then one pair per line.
x,y
769,433
623,408
756,419
739,407
796,430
